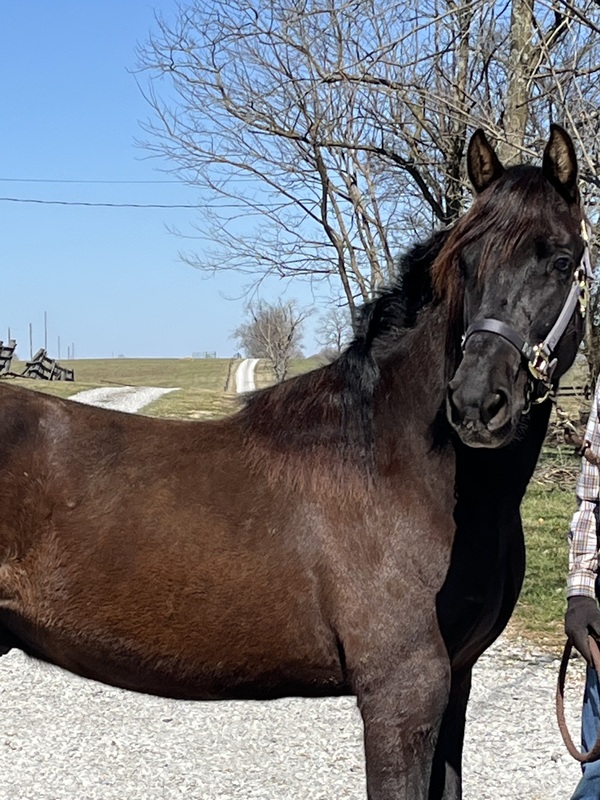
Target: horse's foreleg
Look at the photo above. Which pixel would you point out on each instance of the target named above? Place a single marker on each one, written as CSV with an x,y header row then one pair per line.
x,y
7,641
446,777
402,712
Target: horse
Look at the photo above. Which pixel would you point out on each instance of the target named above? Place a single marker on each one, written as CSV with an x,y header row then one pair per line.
x,y
354,530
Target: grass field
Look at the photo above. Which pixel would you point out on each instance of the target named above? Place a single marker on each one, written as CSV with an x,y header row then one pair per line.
x,y
546,512
547,507
201,383
205,386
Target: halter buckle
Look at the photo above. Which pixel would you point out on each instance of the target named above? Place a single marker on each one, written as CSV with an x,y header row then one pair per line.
x,y
584,296
540,365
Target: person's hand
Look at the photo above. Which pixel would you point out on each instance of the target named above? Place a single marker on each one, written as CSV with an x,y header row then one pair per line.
x,y
581,620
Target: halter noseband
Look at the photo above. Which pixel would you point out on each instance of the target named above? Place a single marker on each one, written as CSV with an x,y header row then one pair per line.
x,y
538,357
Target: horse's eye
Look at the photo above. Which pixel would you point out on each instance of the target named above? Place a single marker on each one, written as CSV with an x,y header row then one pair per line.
x,y
563,264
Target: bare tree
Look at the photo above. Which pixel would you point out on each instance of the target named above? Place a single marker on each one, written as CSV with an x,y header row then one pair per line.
x,y
334,331
325,134
273,331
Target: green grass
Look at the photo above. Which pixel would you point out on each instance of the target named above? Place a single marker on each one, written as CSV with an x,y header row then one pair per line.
x,y
546,511
201,382
265,375
206,386
209,373
546,515
193,403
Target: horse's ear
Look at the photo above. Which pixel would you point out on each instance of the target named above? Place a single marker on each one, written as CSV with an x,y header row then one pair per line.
x,y
483,165
559,164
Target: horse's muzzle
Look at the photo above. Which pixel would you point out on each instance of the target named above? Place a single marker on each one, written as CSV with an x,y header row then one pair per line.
x,y
481,420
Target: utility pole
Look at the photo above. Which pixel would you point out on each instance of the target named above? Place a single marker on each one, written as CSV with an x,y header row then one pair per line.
x,y
30,342
46,331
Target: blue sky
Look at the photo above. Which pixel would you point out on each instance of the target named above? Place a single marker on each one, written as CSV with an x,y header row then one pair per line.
x,y
109,279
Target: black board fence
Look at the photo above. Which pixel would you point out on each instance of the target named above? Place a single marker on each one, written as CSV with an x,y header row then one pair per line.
x,y
7,352
41,367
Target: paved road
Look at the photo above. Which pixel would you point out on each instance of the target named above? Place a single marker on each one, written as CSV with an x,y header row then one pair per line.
x,y
244,376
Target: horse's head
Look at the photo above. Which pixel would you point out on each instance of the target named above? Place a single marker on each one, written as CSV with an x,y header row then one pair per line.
x,y
518,264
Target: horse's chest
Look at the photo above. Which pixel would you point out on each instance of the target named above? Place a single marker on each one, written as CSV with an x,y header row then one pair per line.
x,y
389,551
481,587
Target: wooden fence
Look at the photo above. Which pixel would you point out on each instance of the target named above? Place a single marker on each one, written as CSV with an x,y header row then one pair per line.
x,y
578,391
7,352
43,368
40,366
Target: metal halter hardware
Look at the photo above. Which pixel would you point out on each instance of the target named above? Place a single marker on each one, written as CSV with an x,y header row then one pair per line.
x,y
538,357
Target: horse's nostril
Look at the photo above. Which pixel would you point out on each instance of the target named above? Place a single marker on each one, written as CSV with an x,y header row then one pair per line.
x,y
494,408
470,412
456,416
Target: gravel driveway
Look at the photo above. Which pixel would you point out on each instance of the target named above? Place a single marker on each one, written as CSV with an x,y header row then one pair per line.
x,y
244,375
64,737
121,398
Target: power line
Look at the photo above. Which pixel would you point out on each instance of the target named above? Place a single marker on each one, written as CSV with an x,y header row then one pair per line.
x,y
96,205
61,180
90,204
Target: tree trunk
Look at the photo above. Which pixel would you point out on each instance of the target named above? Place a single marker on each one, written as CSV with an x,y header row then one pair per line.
x,y
520,65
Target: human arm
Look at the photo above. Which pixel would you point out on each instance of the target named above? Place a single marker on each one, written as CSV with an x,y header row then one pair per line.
x,y
583,616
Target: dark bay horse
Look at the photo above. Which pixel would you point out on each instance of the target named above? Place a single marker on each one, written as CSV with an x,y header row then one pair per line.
x,y
354,530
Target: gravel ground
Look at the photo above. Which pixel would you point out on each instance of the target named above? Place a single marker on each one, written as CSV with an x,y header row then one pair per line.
x,y
244,376
64,737
121,398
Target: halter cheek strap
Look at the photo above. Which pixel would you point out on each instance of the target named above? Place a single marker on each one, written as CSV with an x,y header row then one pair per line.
x,y
538,357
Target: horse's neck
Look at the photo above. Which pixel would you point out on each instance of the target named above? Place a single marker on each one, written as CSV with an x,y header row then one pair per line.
x,y
410,404
410,398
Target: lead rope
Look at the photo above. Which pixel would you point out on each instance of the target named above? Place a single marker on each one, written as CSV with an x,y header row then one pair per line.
x,y
594,753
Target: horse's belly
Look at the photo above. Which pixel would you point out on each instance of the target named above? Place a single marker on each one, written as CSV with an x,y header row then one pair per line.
x,y
173,639
259,675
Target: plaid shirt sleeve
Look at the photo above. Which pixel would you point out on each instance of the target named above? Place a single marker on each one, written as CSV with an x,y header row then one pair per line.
x,y
583,536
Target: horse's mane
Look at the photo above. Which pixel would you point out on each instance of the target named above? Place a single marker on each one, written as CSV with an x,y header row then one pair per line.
x,y
383,321
330,408
333,403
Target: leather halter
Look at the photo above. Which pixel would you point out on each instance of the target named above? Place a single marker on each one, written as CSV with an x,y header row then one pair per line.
x,y
538,357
